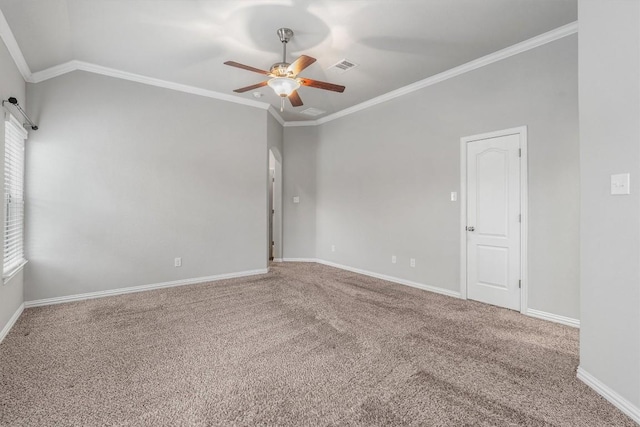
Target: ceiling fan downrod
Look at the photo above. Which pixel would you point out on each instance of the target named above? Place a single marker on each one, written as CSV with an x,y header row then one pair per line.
x,y
285,35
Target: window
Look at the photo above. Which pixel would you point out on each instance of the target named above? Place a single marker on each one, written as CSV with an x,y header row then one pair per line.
x,y
14,134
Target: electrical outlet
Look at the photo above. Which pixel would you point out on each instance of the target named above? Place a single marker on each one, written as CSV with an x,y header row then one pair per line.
x,y
333,248
177,262
412,262
393,259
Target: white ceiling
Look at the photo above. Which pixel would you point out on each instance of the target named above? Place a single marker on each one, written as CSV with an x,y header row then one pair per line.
x,y
395,42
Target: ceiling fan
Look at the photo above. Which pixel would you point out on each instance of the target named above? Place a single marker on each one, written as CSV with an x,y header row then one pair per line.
x,y
284,76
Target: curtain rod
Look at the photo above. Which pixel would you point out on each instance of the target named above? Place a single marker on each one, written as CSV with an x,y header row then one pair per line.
x,y
14,102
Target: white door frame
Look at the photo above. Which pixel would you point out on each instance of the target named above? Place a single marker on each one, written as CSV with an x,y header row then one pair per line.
x,y
524,196
277,206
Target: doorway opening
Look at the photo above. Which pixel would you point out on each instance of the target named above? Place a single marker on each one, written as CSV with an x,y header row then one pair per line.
x,y
274,215
493,211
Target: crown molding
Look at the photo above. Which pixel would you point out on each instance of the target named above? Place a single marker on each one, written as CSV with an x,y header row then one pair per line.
x,y
58,70
275,114
14,50
301,123
532,43
55,71
74,65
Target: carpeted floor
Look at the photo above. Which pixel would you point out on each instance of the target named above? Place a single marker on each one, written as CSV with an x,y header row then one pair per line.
x,y
303,345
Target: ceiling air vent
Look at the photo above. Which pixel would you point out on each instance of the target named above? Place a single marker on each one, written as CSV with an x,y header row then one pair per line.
x,y
312,112
342,66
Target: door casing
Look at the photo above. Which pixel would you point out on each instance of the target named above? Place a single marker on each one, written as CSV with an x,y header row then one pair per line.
x,y
277,206
522,132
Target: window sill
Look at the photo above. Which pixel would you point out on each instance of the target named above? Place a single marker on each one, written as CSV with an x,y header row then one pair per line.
x,y
12,274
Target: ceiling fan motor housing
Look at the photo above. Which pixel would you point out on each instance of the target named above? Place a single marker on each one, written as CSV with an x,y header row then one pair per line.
x,y
281,69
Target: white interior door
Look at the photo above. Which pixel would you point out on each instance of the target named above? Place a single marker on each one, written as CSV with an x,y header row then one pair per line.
x,y
493,221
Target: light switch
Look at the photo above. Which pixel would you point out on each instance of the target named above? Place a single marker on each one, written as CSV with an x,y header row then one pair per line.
x,y
296,199
454,196
620,184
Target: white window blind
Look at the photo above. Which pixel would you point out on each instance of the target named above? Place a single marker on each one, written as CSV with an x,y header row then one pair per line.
x,y
15,134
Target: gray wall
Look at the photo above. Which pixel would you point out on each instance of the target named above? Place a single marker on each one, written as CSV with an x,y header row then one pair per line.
x,y
610,144
275,136
299,171
385,174
123,177
11,84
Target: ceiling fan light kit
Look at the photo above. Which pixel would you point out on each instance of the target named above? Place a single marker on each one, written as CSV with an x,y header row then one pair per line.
x,y
283,86
284,76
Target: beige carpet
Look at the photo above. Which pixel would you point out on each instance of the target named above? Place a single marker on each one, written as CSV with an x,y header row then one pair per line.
x,y
303,345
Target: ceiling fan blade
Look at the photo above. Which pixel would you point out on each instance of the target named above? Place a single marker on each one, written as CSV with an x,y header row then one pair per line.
x,y
321,85
248,88
300,64
295,99
246,67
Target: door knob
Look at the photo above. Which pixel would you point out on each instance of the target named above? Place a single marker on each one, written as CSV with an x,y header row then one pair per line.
x,y
471,228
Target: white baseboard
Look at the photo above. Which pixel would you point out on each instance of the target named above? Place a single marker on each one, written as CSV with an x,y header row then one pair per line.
x,y
121,291
11,322
553,317
455,294
277,260
422,286
616,400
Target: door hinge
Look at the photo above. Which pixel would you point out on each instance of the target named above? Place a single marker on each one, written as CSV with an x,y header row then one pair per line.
x,y
519,284
519,217
519,152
